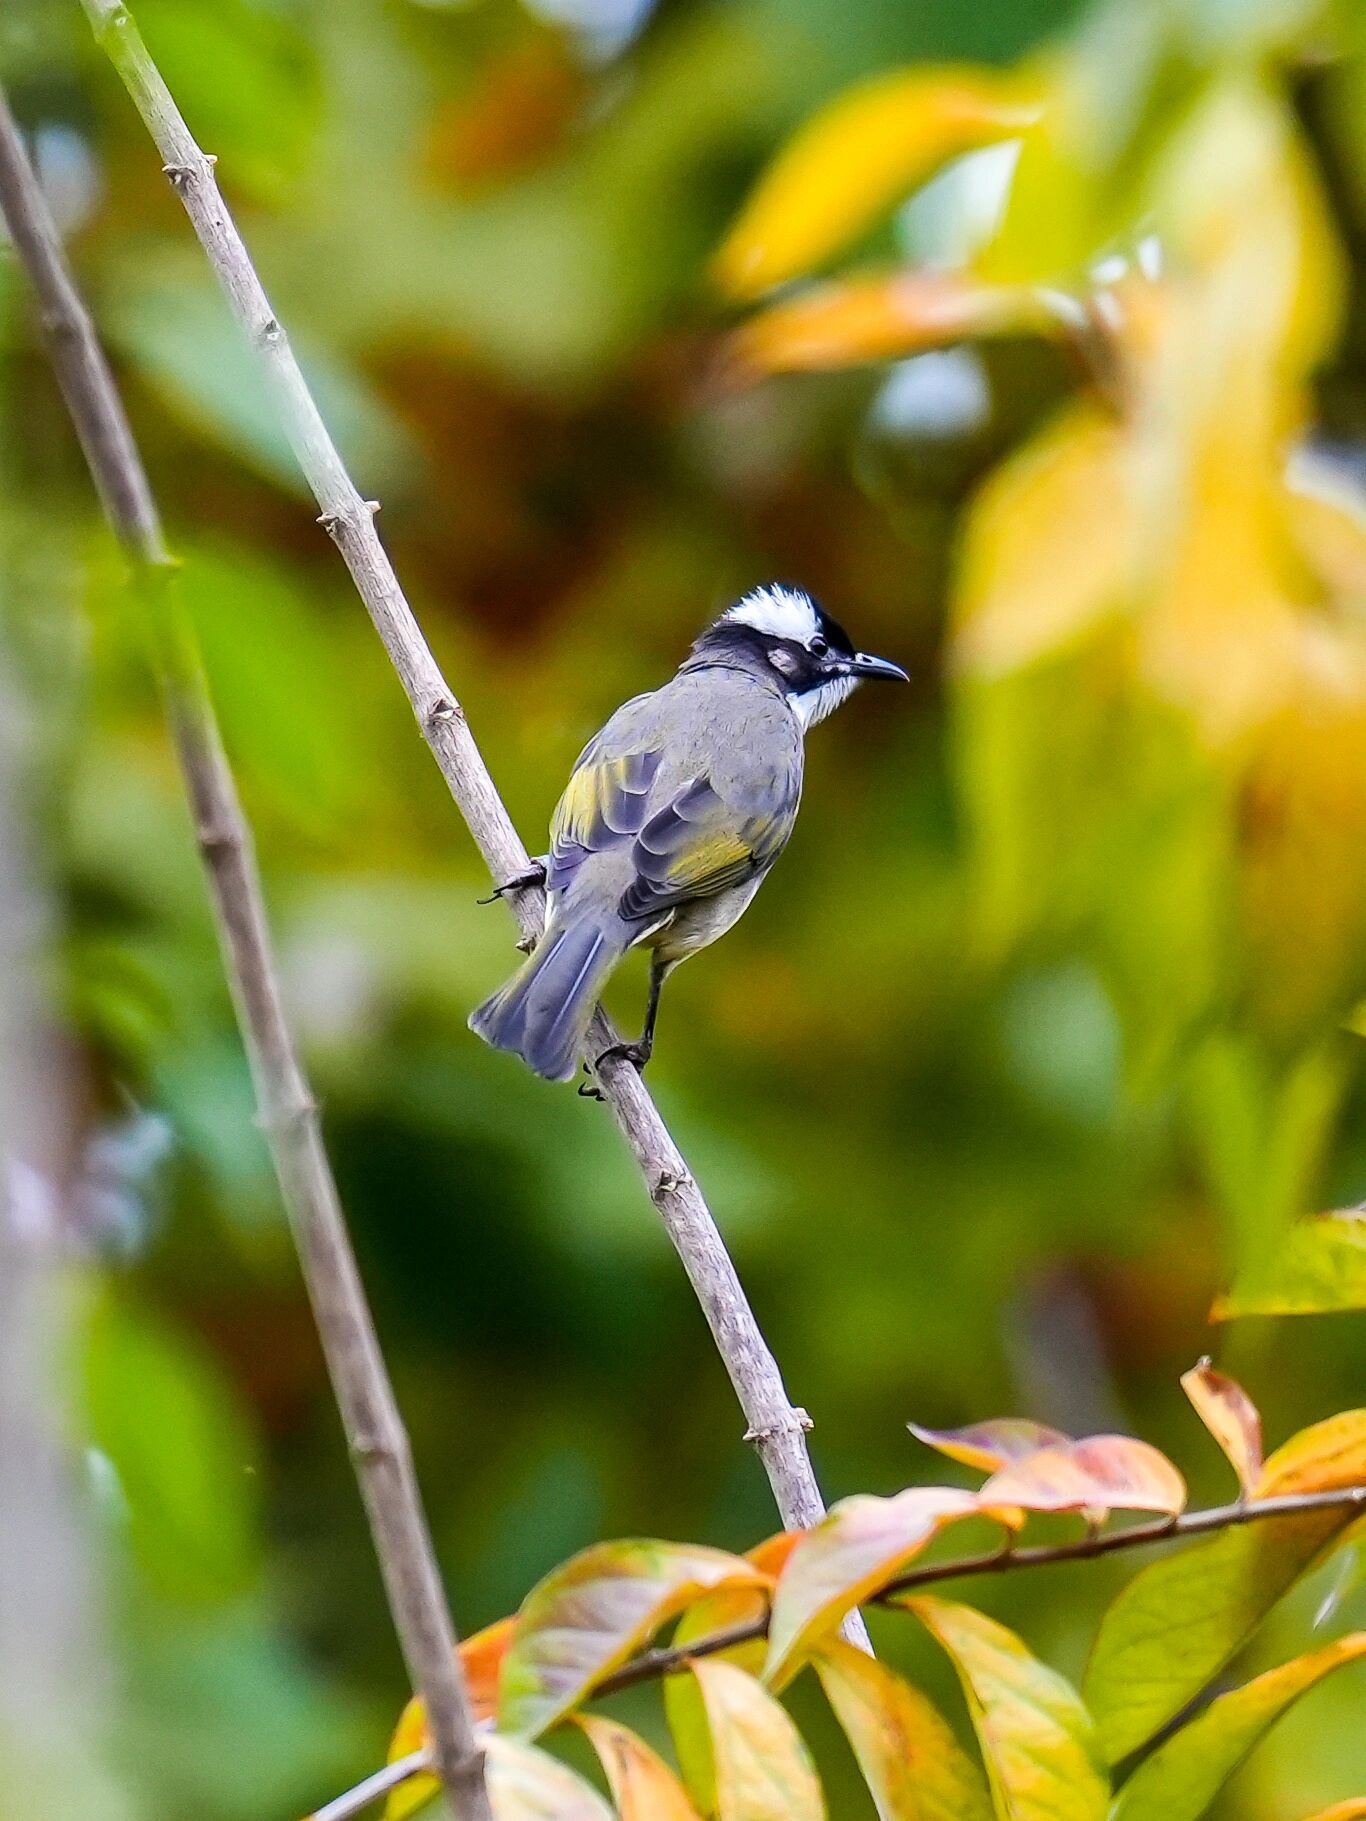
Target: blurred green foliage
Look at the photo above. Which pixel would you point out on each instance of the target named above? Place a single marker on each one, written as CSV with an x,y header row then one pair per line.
x,y
980,1132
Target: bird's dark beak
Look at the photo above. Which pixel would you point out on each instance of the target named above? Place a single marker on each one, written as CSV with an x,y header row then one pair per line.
x,y
863,664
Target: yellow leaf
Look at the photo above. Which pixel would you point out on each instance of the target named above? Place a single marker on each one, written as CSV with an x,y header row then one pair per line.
x,y
719,1611
879,316
1036,1737
763,1770
992,1444
643,1787
527,1784
481,1657
1231,1417
1183,1776
1353,1809
593,1612
914,1767
859,156
1323,1456
1050,550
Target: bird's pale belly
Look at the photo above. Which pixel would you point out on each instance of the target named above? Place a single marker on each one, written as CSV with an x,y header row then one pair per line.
x,y
694,925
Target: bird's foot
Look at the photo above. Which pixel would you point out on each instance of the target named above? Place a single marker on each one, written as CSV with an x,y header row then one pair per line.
x,y
638,1053
589,1090
535,874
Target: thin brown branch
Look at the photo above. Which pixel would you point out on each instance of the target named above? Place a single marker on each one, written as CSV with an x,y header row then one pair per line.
x,y
666,1660
777,1430
288,1113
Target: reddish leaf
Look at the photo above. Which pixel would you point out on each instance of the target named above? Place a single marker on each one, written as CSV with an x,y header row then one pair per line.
x,y
643,1787
1184,1775
1100,1473
913,1765
763,1770
1036,1737
862,1544
589,1615
992,1444
1231,1417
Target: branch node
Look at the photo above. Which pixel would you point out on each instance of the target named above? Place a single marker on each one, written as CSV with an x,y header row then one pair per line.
x,y
216,838
800,1424
443,712
669,1182
270,334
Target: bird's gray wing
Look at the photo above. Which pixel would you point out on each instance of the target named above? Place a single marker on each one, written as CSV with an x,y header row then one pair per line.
x,y
701,842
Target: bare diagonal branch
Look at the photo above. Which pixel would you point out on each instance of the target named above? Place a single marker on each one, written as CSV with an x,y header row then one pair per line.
x,y
289,1115
777,1430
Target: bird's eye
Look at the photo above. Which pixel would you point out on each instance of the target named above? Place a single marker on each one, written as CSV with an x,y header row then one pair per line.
x,y
818,646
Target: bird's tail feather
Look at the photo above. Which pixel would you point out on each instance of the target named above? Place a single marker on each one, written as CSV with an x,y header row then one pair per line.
x,y
542,1013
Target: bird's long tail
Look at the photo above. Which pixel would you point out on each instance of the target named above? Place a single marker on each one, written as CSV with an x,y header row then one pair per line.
x,y
542,1013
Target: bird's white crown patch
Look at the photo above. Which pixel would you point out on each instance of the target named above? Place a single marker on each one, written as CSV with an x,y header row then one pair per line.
x,y
783,613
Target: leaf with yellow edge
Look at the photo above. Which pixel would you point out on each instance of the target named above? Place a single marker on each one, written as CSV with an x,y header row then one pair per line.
x,y
527,1784
1231,1417
1353,1809
643,1787
481,1658
1320,1267
856,158
1036,1736
594,1611
992,1444
913,1765
1100,1473
718,1612
763,1770
1178,1622
1183,1776
880,316
860,1545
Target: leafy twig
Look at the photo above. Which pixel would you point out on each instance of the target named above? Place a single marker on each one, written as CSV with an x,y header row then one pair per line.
x,y
777,1430
666,1660
374,1429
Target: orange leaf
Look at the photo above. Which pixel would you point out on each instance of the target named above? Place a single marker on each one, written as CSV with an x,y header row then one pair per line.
x,y
1353,1809
857,157
995,1443
482,1659
878,317
1101,1473
593,1612
914,1767
763,1770
852,1552
1231,1417
643,1787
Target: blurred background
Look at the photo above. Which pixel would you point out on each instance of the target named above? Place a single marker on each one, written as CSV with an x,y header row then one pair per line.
x,y
1039,1035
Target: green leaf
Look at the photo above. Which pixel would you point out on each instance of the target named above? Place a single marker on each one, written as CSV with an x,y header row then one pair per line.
x,y
1180,1780
1180,1620
1320,1267
593,1612
913,1765
1036,1736
763,1770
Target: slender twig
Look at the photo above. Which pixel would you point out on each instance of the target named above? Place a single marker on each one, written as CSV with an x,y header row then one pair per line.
x,y
777,1430
666,1660
288,1113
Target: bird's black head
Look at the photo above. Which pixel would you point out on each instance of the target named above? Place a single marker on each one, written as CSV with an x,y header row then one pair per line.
x,y
809,654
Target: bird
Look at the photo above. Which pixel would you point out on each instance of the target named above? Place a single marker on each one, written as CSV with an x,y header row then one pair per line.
x,y
671,819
